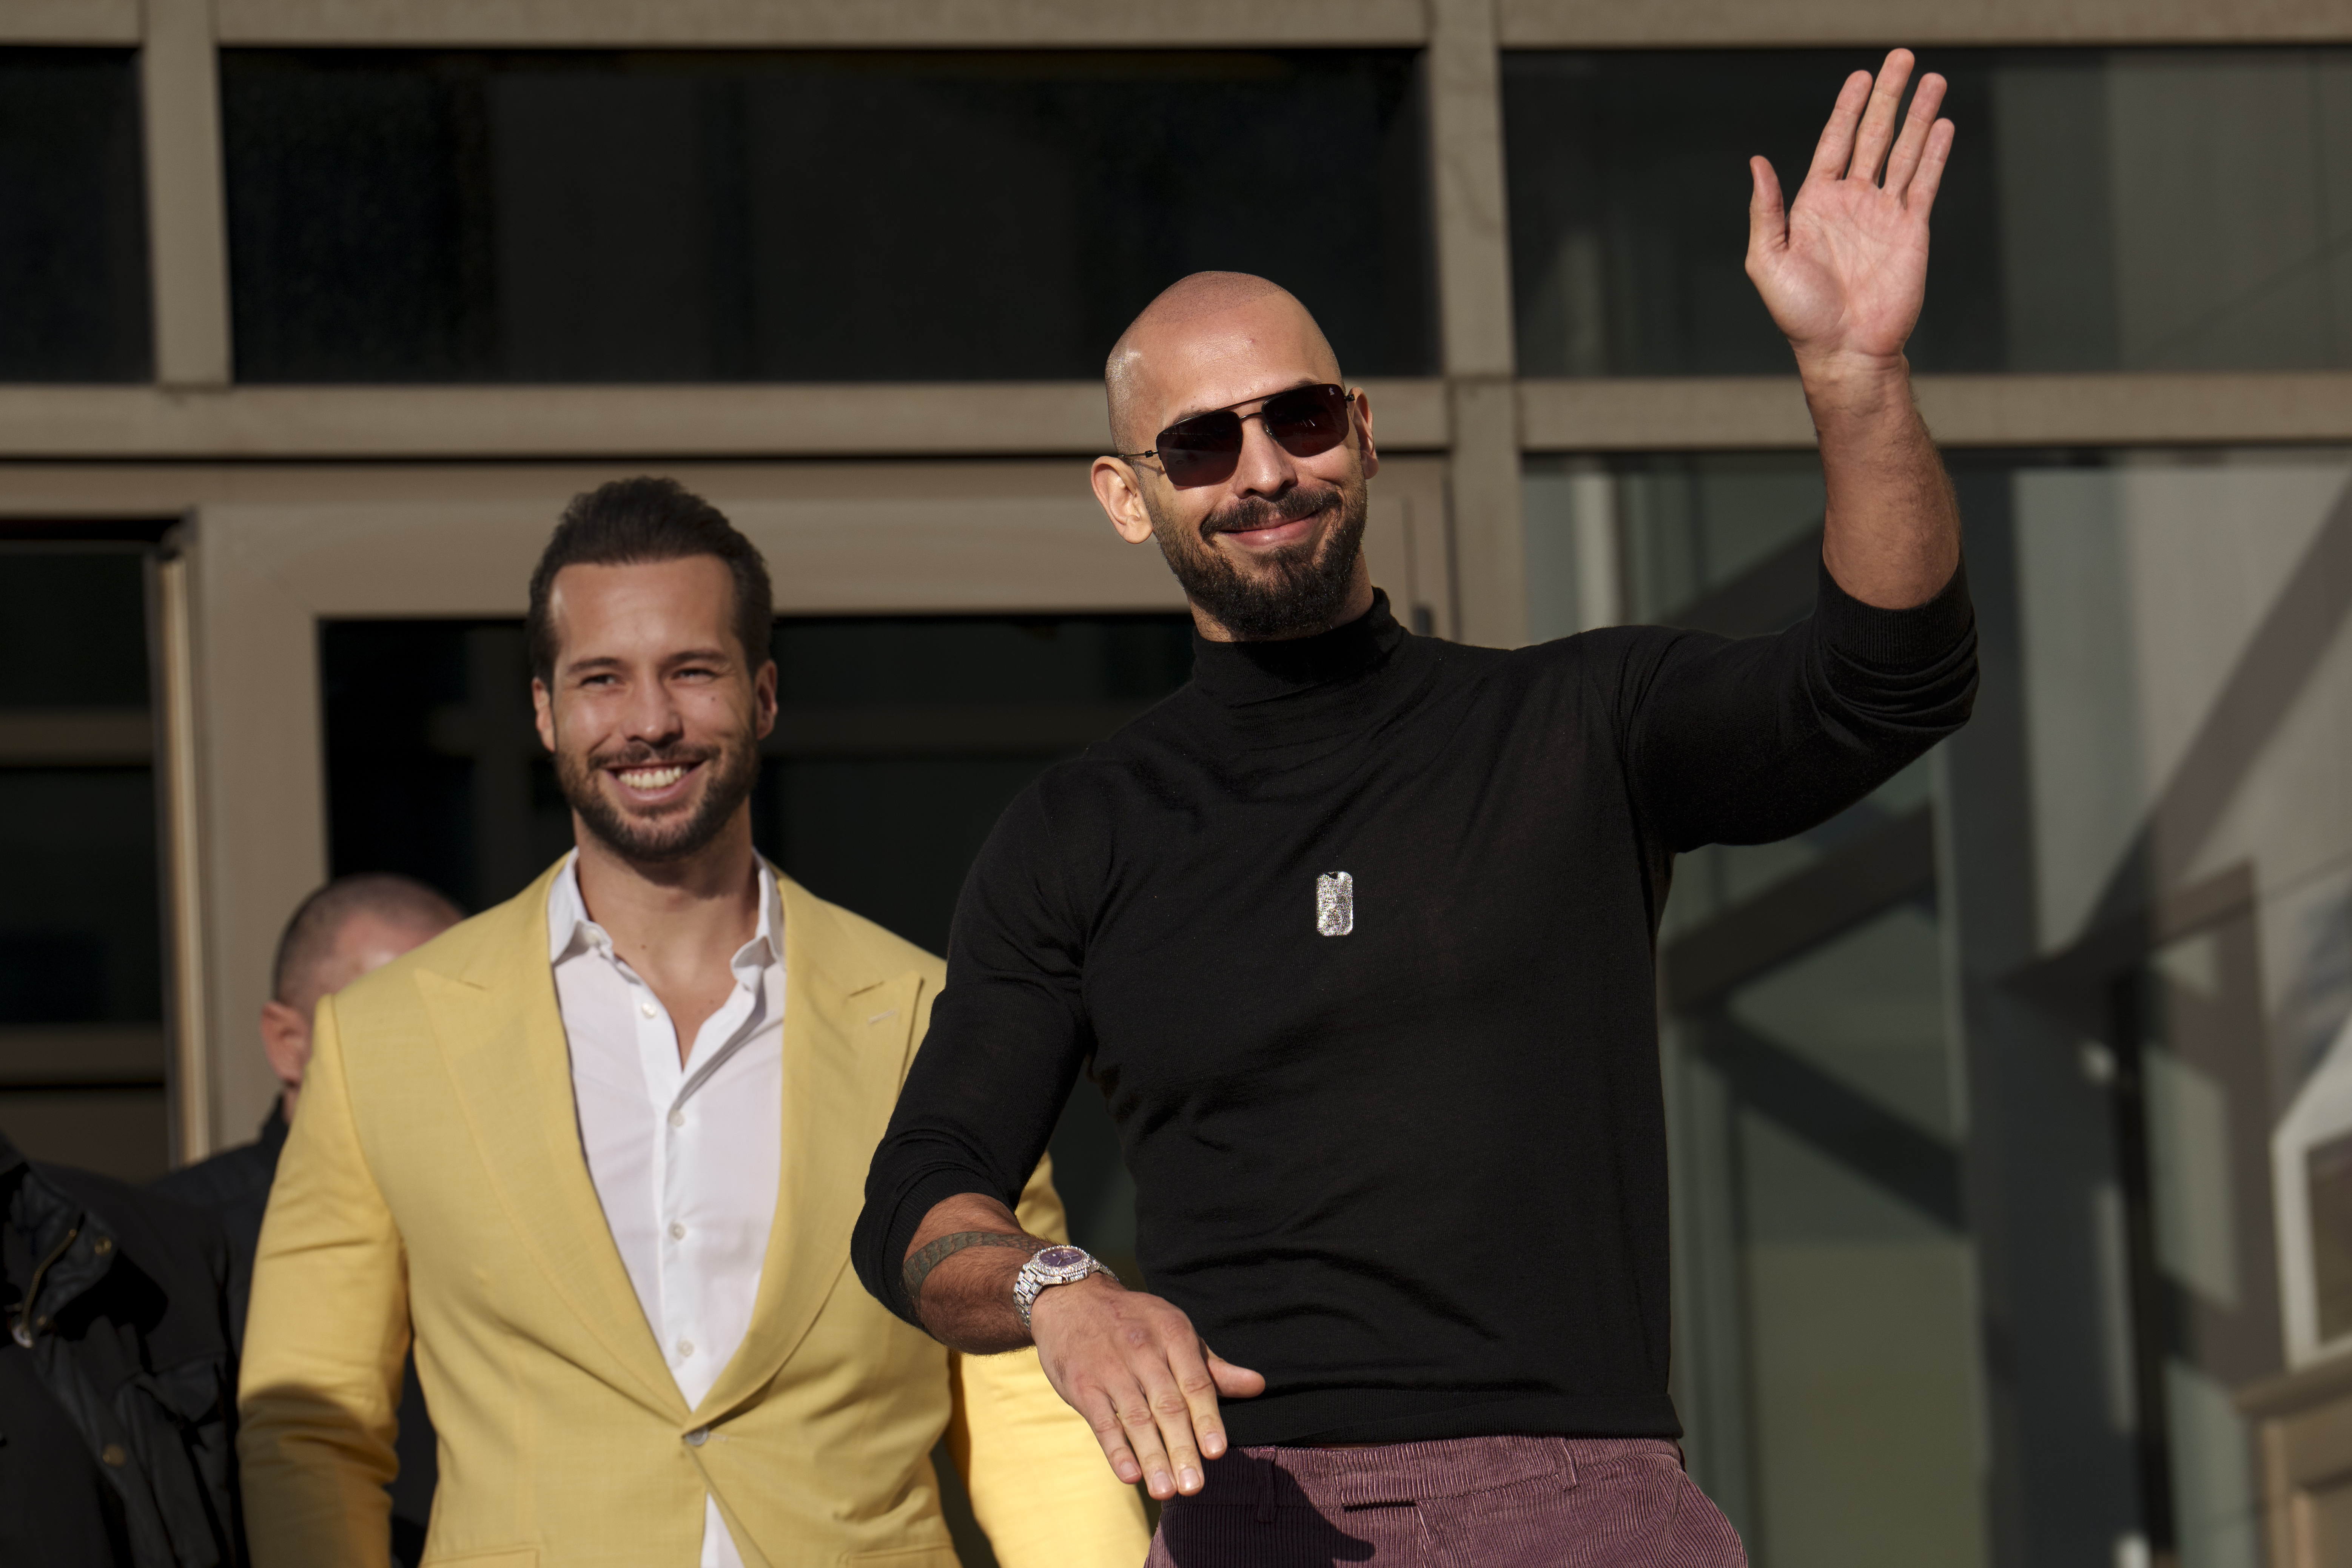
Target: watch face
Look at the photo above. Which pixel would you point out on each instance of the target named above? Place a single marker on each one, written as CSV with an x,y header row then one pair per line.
x,y
1060,1257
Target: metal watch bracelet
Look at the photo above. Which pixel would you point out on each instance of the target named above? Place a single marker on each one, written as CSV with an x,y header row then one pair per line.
x,y
1063,1265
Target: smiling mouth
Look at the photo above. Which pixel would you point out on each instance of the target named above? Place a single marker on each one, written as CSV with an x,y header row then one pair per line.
x,y
1272,531
653,778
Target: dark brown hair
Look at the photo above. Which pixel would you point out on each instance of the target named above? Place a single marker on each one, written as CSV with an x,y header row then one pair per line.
x,y
629,522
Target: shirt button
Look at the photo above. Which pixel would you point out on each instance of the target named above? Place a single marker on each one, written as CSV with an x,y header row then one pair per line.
x,y
677,1230
698,1437
684,1348
677,1119
647,1009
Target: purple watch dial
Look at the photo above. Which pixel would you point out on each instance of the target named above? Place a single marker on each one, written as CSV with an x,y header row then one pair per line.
x,y
1060,1257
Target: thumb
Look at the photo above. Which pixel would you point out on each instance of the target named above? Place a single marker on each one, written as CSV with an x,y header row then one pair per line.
x,y
1768,221
1234,1382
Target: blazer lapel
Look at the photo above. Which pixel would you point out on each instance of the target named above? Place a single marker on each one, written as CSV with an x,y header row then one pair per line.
x,y
848,1028
502,1036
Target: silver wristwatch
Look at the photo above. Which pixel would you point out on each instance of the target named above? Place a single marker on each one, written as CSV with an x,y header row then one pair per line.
x,y
1063,1265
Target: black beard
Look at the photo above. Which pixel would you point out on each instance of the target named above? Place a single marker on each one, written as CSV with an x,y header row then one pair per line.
x,y
672,836
1301,588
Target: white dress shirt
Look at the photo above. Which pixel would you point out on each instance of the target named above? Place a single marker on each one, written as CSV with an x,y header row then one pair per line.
x,y
684,1156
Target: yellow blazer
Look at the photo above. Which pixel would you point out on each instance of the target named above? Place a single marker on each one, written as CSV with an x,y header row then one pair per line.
x,y
434,1183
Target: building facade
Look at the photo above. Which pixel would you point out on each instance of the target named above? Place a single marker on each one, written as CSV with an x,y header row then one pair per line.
x,y
2005,1160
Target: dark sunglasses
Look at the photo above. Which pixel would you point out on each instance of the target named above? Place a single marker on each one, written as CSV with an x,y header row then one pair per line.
x,y
1205,449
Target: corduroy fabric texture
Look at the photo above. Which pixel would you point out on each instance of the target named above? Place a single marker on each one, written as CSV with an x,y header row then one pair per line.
x,y
1465,1502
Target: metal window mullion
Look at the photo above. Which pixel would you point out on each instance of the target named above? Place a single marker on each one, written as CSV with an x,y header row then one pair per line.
x,y
187,245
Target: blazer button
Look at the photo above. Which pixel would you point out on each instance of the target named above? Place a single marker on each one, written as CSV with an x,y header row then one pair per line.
x,y
112,1454
698,1437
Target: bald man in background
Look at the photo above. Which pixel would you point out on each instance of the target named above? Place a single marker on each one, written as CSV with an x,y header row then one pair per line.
x,y
352,926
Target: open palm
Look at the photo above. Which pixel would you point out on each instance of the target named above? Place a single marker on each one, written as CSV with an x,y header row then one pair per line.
x,y
1844,267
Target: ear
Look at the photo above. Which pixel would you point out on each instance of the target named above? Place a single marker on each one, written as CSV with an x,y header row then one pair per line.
x,y
543,710
1120,490
1363,403
286,1041
763,697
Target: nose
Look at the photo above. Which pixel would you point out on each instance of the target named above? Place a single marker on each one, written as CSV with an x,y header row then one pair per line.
x,y
1265,470
650,716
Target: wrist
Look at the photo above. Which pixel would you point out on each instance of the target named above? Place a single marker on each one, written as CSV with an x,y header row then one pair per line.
x,y
1050,1273
1053,1307
1847,382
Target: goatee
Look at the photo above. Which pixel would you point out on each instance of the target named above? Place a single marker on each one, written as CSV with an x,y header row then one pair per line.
x,y
1298,590
730,771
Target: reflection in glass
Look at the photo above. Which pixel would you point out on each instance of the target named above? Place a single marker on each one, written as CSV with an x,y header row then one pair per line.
x,y
2210,1322
1832,1388
747,216
1826,1362
2105,209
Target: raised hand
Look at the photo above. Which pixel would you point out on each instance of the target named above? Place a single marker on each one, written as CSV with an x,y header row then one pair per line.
x,y
1844,267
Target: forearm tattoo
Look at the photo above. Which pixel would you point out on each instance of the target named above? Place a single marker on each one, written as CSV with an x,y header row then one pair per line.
x,y
919,1268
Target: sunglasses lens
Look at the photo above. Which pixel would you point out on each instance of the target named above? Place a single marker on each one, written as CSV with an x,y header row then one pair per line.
x,y
1207,447
1307,422
1203,450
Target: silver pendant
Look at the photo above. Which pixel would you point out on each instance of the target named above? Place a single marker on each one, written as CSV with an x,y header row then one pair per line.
x,y
1335,904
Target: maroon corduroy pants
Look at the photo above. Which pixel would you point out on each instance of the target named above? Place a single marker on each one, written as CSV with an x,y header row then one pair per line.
x,y
1470,1502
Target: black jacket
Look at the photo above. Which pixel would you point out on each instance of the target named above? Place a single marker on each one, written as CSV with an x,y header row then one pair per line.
x,y
118,1376
233,1186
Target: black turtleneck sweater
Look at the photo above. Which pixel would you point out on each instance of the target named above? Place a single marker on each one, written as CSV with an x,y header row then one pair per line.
x,y
1414,1174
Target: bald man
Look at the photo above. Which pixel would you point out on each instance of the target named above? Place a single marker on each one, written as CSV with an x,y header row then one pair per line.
x,y
352,926
1356,934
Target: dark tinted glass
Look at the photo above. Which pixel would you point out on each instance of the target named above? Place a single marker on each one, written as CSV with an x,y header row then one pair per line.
x,y
73,222
73,629
2148,209
79,940
414,216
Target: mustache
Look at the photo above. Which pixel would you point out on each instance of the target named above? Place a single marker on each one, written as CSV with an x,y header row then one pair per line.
x,y
1250,512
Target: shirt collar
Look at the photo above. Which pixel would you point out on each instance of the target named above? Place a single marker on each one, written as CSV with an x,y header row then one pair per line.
x,y
570,932
1236,674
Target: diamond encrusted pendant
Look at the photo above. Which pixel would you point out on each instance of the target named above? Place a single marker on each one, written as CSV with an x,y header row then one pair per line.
x,y
1335,904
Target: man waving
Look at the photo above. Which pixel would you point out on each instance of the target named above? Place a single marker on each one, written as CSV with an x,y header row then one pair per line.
x,y
1355,933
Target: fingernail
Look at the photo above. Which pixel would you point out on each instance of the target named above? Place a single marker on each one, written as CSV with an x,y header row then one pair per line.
x,y
1189,1480
1159,1481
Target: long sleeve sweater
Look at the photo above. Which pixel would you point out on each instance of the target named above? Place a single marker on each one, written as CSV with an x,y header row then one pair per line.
x,y
1356,935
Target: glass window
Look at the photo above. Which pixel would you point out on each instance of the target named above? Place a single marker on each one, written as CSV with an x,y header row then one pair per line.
x,y
1826,1339
73,219
82,992
428,216
2128,209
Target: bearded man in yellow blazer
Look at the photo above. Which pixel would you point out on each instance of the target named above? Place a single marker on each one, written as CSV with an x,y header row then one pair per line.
x,y
599,1151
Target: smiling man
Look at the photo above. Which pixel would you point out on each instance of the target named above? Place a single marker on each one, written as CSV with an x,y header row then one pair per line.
x,y
597,1151
1356,935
